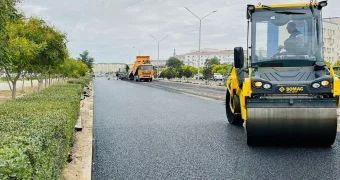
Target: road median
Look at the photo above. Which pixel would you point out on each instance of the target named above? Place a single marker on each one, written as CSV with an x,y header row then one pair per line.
x,y
36,131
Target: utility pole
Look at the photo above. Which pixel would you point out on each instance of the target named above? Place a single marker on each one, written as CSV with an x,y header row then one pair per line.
x,y
158,51
199,39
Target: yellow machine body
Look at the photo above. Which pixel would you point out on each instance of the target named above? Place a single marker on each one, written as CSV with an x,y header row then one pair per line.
x,y
287,96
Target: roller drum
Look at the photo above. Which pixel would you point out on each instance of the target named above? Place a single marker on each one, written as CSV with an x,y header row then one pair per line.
x,y
314,126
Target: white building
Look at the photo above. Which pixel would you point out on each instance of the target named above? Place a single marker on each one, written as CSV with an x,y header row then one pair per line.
x,y
180,57
331,40
225,56
158,63
107,67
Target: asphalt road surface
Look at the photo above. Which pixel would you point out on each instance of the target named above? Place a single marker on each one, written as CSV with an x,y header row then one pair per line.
x,y
145,132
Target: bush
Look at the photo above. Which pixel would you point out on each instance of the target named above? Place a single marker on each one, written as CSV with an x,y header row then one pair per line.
x,y
36,132
83,80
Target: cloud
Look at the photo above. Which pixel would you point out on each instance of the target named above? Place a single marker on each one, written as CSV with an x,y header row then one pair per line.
x,y
34,9
109,29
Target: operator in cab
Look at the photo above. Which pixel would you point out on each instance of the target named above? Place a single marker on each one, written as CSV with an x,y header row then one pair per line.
x,y
295,43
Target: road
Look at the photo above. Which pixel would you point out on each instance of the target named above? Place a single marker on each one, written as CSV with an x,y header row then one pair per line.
x,y
144,131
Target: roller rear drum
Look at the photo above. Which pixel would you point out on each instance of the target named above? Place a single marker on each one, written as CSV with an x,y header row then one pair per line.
x,y
311,126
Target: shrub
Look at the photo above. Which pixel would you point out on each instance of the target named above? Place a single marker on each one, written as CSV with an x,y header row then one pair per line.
x,y
83,80
36,132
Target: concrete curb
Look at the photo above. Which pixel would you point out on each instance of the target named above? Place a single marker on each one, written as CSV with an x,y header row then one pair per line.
x,y
92,132
81,154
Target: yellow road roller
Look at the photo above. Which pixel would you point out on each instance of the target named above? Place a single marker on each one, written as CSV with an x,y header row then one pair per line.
x,y
280,87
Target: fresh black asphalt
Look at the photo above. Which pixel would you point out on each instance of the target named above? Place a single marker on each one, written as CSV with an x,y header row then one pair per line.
x,y
143,132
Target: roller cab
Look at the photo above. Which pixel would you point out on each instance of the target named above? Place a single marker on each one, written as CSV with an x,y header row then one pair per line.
x,y
282,90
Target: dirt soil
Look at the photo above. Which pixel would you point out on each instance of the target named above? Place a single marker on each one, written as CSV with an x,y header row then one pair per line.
x,y
80,167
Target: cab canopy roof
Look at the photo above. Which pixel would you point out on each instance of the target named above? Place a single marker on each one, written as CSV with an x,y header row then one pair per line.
x,y
297,5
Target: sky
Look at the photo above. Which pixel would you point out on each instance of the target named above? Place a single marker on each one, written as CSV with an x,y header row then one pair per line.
x,y
110,29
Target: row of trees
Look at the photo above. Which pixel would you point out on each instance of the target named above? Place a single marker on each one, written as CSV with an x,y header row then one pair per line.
x,y
30,45
176,69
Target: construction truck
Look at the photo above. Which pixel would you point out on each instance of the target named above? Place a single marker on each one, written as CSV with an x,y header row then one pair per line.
x,y
142,70
129,68
121,73
282,91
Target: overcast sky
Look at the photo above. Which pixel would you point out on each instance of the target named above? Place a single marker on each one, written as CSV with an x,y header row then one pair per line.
x,y
109,29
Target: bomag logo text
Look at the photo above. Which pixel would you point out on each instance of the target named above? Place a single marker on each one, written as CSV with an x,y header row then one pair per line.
x,y
294,89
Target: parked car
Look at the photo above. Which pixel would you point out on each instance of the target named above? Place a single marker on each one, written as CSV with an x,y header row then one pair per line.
x,y
225,77
218,76
201,77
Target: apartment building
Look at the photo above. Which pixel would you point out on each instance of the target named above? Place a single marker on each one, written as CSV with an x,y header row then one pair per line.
x,y
107,67
225,56
331,39
159,63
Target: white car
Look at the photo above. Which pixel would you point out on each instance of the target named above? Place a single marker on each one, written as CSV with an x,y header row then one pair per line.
x,y
218,76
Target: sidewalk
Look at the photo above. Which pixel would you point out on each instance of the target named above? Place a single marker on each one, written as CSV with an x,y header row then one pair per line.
x,y
4,85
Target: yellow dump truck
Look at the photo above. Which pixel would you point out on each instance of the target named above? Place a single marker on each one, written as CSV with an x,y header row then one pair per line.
x,y
142,70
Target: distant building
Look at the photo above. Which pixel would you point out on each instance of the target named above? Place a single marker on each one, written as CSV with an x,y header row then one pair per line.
x,y
159,63
180,57
225,56
331,40
107,67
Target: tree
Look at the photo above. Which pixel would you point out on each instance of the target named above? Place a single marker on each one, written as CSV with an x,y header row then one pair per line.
x,y
86,59
194,70
222,68
207,73
188,72
180,73
169,74
212,61
163,74
8,13
337,64
55,51
174,63
73,68
21,50
328,64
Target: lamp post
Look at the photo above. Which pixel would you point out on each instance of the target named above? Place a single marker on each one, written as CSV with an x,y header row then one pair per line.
x,y
199,41
158,50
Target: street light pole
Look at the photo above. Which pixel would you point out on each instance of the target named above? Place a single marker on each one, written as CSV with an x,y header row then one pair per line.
x,y
199,39
158,50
